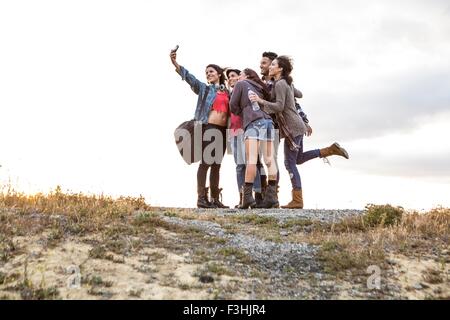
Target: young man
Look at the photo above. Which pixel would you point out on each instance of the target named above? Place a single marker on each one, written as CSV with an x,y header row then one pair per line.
x,y
266,61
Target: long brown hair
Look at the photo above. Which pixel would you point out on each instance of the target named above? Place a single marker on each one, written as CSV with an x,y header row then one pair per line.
x,y
286,63
219,70
252,75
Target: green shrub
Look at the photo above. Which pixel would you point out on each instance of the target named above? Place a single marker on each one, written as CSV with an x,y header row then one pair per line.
x,y
382,215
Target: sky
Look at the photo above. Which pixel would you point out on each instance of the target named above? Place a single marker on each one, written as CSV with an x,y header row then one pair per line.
x,y
89,98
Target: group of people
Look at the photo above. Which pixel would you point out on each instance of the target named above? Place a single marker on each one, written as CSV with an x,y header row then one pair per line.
x,y
256,113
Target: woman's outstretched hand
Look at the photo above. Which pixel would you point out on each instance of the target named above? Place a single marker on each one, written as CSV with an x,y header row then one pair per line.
x,y
173,58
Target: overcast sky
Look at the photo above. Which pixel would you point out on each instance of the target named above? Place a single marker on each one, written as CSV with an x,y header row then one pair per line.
x,y
89,99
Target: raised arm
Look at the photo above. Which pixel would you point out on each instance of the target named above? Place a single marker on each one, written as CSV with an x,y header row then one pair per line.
x,y
195,84
173,58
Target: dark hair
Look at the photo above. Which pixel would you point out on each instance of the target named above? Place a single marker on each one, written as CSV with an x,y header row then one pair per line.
x,y
271,55
252,75
237,71
219,70
286,63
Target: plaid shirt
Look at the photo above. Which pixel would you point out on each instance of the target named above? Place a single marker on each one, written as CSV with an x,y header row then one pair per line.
x,y
199,88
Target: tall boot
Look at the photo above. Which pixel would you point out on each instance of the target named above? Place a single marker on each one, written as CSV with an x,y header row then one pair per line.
x,y
334,150
247,198
202,200
271,197
297,200
216,198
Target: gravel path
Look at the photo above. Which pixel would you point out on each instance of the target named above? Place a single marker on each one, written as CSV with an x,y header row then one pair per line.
x,y
282,214
269,254
286,263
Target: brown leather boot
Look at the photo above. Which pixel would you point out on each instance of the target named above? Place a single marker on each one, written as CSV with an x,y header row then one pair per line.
x,y
259,199
334,150
216,198
297,200
202,200
270,198
247,198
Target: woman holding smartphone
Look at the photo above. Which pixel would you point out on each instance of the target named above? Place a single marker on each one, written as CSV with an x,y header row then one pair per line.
x,y
212,112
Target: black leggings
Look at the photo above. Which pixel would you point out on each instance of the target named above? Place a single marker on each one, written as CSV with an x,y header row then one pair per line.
x,y
213,157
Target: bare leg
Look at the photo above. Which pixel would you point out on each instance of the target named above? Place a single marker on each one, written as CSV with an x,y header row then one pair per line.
x,y
251,154
269,160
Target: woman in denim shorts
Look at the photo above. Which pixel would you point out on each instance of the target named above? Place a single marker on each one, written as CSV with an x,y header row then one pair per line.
x,y
237,145
259,137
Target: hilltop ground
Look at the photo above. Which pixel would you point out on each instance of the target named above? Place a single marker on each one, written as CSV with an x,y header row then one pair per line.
x,y
73,246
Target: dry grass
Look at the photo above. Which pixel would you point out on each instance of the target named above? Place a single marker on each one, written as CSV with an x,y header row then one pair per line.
x,y
122,227
433,276
63,213
71,204
353,244
340,256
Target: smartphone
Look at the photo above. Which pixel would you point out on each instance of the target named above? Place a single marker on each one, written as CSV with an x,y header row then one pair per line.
x,y
176,48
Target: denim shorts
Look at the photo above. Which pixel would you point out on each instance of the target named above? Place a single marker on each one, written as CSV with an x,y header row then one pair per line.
x,y
261,129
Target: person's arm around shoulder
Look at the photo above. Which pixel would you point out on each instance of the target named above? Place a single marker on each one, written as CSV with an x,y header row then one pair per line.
x,y
280,98
297,93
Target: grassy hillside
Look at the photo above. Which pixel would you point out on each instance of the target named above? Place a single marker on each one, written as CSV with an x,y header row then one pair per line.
x,y
75,246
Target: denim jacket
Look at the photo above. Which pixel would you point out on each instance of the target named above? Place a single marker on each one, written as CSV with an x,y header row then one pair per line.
x,y
199,88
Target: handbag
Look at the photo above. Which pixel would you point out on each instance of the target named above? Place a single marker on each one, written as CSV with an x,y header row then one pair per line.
x,y
189,137
286,132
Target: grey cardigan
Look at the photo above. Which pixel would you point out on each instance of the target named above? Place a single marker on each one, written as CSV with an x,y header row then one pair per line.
x,y
284,102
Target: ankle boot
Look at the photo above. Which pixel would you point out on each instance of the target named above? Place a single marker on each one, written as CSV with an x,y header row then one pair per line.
x,y
258,198
202,201
297,200
216,194
334,150
270,198
247,198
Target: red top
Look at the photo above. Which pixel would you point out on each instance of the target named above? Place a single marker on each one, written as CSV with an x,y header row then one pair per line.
x,y
235,125
221,104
